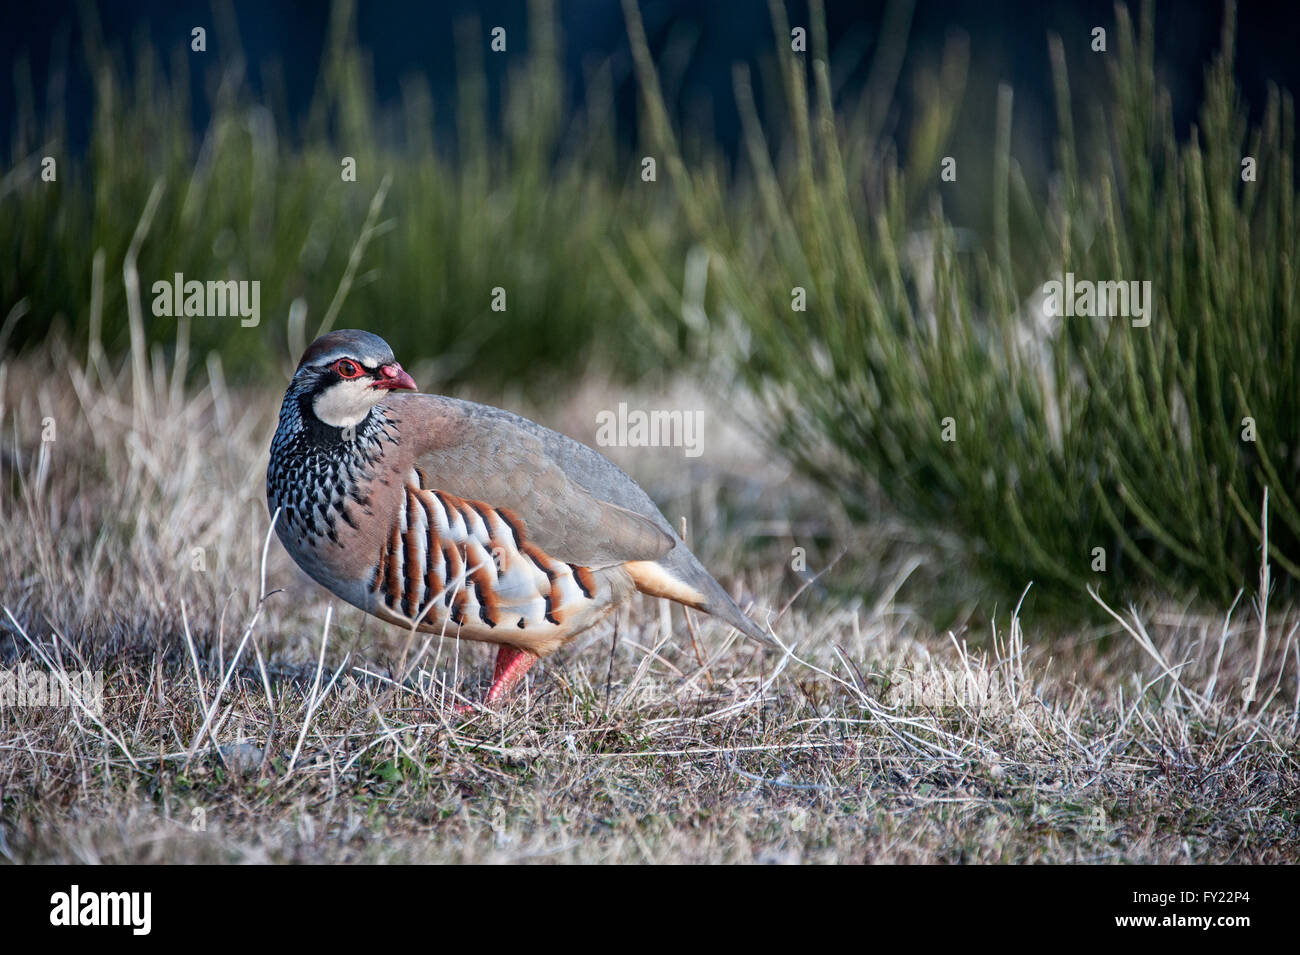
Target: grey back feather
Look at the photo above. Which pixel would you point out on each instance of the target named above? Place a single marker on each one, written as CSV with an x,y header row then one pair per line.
x,y
577,504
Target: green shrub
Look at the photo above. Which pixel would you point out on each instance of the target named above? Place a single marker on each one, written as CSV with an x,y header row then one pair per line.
x,y
1070,434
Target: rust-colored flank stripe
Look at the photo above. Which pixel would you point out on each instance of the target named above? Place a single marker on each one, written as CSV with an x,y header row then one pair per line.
x,y
543,562
455,587
432,551
411,592
484,513
512,521
460,603
448,506
585,580
452,556
483,592
540,558
468,510
393,584
487,605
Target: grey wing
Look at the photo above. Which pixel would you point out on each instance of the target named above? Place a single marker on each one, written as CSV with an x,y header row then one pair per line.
x,y
576,504
573,503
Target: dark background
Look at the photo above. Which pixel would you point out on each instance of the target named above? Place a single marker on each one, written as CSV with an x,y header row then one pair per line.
x,y
695,44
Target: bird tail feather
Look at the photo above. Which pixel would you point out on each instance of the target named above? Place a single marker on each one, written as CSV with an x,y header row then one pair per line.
x,y
687,583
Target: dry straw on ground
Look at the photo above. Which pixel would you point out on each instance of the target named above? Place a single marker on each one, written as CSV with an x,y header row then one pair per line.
x,y
287,729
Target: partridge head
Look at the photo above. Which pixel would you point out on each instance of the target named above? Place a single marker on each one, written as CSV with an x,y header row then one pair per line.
x,y
462,519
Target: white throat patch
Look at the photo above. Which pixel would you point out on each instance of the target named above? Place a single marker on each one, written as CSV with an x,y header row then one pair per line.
x,y
346,403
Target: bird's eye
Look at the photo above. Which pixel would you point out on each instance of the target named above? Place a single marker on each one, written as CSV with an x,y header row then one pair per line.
x,y
347,368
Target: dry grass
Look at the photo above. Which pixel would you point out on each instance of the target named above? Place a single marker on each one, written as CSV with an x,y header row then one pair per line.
x,y
873,739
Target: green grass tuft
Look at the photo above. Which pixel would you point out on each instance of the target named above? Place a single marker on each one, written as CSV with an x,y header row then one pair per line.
x,y
525,204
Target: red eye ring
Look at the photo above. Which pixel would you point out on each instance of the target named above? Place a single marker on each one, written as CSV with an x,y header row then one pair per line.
x,y
347,368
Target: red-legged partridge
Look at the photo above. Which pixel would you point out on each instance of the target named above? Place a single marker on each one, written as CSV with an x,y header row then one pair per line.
x,y
460,518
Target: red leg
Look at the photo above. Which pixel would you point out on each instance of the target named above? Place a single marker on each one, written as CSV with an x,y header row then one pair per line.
x,y
512,664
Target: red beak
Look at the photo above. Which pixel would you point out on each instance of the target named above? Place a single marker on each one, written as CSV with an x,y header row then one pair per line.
x,y
392,378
